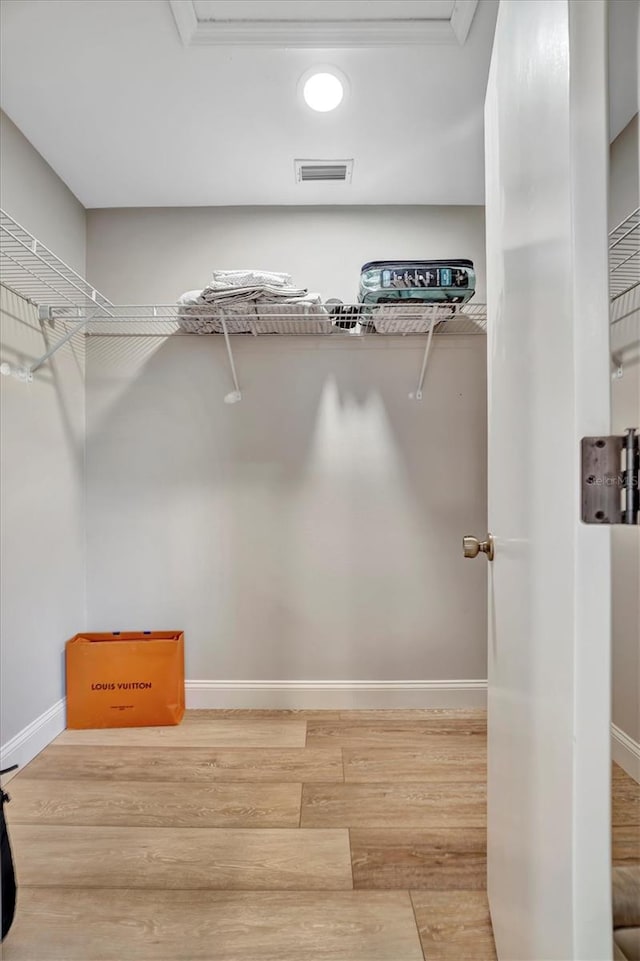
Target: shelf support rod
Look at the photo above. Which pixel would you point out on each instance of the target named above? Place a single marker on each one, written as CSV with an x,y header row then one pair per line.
x,y
58,344
425,359
236,394
25,374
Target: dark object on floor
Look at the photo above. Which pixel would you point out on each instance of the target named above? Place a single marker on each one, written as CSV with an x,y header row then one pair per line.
x,y
8,879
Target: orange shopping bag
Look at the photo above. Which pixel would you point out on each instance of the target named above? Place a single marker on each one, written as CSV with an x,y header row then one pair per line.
x,y
125,679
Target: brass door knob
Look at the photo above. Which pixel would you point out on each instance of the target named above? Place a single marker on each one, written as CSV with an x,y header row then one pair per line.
x,y
471,546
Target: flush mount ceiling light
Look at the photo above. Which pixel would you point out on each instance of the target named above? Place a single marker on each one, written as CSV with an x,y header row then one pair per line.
x,y
323,88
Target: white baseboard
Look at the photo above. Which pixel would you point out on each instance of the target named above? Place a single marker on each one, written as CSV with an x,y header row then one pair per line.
x,y
34,737
625,752
336,695
309,695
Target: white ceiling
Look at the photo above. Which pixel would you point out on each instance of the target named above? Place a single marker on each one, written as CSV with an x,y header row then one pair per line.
x,y
128,115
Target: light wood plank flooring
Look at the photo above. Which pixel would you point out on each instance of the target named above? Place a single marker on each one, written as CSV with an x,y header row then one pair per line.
x,y
263,836
625,818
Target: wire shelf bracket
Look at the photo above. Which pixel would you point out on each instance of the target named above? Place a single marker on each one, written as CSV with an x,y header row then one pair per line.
x,y
425,361
236,394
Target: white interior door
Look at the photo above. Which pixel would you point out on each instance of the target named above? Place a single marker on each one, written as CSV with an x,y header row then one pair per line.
x,y
549,377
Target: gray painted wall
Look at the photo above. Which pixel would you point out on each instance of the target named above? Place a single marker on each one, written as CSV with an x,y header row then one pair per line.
x,y
42,458
623,185
312,531
33,194
625,412
136,253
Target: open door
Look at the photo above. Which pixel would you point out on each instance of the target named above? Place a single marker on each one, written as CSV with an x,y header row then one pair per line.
x,y
549,582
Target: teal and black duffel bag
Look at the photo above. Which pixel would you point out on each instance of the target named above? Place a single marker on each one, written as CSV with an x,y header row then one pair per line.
x,y
417,281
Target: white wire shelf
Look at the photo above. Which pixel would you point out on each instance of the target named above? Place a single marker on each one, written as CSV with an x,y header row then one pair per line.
x,y
265,319
624,256
32,271
624,288
625,305
354,321
29,269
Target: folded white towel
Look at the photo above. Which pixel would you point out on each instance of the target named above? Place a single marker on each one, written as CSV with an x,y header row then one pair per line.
x,y
191,297
251,278
261,292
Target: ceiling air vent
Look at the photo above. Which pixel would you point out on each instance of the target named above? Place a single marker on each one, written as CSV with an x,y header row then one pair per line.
x,y
314,171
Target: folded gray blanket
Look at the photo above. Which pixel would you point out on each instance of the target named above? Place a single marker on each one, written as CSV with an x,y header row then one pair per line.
x,y
262,293
202,312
